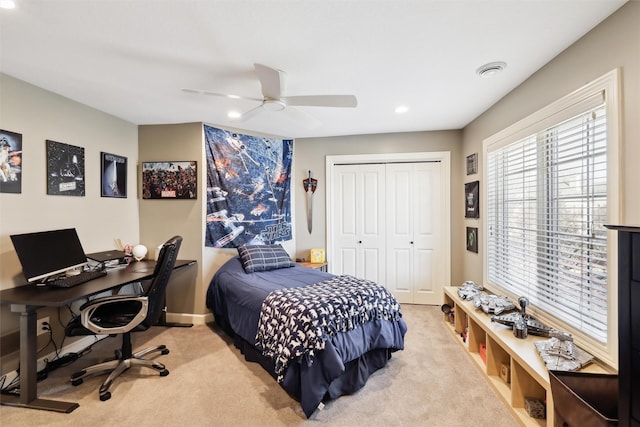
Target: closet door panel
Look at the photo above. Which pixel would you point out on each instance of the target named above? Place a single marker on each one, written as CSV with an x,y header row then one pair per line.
x,y
360,216
399,229
428,273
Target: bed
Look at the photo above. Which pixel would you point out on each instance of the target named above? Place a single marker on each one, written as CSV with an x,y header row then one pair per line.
x,y
335,347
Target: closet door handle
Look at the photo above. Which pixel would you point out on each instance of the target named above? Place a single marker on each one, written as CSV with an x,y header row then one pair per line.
x,y
359,241
411,242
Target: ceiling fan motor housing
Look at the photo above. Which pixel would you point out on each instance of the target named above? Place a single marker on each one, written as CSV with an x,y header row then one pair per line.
x,y
273,104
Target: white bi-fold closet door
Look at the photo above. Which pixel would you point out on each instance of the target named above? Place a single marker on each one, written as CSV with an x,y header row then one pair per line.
x,y
389,222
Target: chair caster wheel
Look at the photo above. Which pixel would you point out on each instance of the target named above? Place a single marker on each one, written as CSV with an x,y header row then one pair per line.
x,y
164,373
76,383
105,396
165,351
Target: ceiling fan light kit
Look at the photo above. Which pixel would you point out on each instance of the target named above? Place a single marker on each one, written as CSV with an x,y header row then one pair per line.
x,y
273,82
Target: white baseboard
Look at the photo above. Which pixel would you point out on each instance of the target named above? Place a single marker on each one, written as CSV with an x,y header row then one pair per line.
x,y
196,319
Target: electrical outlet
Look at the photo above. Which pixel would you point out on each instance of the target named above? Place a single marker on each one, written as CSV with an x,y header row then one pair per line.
x,y
40,326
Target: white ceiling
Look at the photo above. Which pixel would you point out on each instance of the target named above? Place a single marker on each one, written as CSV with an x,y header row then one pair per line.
x,y
131,58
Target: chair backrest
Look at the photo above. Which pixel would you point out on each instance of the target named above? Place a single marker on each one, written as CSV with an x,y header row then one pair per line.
x,y
161,274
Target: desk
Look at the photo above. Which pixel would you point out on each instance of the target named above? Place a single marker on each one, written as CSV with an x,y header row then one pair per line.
x,y
27,299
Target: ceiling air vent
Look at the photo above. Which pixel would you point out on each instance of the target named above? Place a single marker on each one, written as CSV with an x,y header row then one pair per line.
x,y
491,69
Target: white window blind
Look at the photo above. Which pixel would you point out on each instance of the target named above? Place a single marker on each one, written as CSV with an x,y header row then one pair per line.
x,y
546,207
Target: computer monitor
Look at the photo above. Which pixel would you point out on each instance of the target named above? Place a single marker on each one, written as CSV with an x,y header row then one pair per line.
x,y
47,253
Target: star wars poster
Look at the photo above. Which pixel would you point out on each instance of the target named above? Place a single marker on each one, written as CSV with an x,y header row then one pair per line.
x,y
248,189
65,169
10,162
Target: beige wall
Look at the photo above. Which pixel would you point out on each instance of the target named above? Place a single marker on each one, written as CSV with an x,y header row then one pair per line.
x,y
162,219
310,154
614,43
40,115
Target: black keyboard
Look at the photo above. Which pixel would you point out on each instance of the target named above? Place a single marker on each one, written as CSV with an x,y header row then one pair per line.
x,y
71,281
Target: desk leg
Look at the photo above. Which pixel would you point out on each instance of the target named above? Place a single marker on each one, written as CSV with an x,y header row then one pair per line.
x,y
29,367
163,317
163,321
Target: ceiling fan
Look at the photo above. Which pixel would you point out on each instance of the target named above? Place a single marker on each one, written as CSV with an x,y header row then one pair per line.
x,y
273,84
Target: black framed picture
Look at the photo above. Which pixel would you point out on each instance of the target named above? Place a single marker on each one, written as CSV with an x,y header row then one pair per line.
x,y
10,162
472,164
472,239
170,180
113,175
472,199
65,169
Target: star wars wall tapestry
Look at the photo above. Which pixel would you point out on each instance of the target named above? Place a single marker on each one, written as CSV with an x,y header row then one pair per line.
x,y
248,189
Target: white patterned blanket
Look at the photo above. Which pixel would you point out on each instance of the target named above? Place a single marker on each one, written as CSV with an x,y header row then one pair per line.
x,y
296,322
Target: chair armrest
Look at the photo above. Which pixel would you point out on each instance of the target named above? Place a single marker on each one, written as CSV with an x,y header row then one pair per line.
x,y
114,314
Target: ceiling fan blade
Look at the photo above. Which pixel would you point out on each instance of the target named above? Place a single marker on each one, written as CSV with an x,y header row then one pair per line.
x,y
272,81
344,101
225,95
247,114
300,116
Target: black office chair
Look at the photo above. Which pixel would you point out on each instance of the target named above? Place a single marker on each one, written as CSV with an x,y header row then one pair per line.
x,y
124,314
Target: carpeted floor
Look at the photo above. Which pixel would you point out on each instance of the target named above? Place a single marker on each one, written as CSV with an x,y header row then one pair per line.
x,y
431,383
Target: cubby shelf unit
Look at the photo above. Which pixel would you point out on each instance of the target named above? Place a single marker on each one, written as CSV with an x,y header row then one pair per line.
x,y
528,374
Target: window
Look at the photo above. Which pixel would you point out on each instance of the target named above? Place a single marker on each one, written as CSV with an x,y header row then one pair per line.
x,y
548,196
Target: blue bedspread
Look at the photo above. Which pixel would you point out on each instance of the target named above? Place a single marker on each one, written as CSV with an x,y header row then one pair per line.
x,y
346,361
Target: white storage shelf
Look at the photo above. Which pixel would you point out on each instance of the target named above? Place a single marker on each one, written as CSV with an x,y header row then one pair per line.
x,y
528,376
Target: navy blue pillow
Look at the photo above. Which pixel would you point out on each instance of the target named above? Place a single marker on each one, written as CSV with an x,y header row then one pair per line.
x,y
263,257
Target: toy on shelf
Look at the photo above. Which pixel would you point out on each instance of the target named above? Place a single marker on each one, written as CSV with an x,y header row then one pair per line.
x,y
495,304
469,289
449,311
524,324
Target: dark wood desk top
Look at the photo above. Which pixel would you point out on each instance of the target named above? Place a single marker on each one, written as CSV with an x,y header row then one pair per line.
x,y
43,296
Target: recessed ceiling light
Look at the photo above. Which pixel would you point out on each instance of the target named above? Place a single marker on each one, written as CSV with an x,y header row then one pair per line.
x,y
7,4
233,114
401,109
491,69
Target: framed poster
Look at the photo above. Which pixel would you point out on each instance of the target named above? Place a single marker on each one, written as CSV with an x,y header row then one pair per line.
x,y
472,164
10,162
472,199
169,180
65,169
472,239
113,175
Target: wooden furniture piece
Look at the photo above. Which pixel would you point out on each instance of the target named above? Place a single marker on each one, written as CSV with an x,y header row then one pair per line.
x,y
27,299
498,354
628,324
322,266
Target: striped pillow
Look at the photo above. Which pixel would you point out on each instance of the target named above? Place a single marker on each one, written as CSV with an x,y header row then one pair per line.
x,y
263,257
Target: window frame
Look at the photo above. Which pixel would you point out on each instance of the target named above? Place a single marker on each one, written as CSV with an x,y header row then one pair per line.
x,y
553,114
